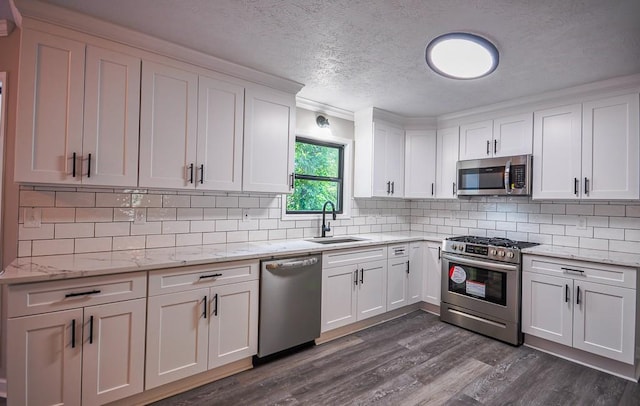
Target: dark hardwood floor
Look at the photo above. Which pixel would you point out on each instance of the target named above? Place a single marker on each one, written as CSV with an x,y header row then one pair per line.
x,y
415,360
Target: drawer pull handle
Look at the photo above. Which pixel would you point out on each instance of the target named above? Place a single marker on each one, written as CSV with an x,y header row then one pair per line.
x,y
578,296
214,275
215,306
356,275
580,271
73,333
362,276
408,268
89,292
566,293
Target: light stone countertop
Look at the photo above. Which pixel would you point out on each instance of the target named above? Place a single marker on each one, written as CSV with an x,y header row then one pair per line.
x,y
583,254
45,268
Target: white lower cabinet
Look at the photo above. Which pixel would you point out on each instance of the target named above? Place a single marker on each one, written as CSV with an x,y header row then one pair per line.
x,y
211,322
587,306
353,290
404,275
432,274
91,354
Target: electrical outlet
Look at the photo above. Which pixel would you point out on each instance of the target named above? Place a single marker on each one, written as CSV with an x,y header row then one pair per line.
x,y
32,217
245,215
582,223
140,217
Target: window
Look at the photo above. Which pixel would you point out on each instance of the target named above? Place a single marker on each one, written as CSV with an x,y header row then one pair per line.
x,y
319,175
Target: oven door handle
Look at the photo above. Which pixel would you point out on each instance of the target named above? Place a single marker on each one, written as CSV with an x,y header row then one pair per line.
x,y
480,264
507,177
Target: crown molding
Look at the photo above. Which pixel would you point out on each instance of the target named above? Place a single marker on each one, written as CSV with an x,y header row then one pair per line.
x,y
93,26
617,85
6,27
323,108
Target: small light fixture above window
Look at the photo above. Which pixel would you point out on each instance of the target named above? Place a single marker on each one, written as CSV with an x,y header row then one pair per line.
x,y
460,55
322,122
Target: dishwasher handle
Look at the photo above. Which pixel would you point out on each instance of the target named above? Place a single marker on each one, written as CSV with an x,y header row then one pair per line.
x,y
298,263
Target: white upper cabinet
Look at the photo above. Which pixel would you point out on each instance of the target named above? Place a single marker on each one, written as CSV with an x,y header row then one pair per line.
x,y
111,118
220,132
504,136
476,140
420,164
269,140
78,111
556,153
168,127
513,135
447,156
588,151
379,157
610,148
50,109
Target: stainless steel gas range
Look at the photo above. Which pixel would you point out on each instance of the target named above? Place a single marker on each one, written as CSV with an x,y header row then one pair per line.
x,y
481,285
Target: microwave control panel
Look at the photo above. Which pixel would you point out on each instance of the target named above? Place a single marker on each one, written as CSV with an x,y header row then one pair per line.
x,y
518,177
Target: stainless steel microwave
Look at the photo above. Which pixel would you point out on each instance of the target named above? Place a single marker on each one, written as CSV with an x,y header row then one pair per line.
x,y
495,176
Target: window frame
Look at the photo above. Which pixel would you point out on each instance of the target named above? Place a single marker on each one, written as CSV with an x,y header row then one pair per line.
x,y
347,170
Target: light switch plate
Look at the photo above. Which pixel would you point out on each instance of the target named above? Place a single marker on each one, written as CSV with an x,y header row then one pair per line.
x,y
32,217
582,223
246,216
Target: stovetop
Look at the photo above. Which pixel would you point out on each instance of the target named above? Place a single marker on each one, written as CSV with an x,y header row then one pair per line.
x,y
494,241
491,249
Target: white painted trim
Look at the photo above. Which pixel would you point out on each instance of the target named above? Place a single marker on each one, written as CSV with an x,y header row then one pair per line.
x,y
3,126
322,108
93,26
6,27
421,123
347,192
618,85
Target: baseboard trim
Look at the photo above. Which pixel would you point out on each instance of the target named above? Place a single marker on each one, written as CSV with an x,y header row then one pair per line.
x,y
613,367
174,388
430,308
364,324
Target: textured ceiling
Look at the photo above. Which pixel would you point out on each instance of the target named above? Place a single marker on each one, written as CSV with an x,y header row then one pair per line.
x,y
354,54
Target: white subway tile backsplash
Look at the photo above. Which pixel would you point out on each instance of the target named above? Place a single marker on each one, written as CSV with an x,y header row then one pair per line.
x,y
58,214
609,233
30,198
113,200
214,214
161,214
146,200
176,201
624,246
204,226
633,211
227,201
52,247
161,241
203,201
565,241
237,236
214,238
549,208
594,244
146,229
93,244
226,225
44,232
75,199
188,239
94,215
124,214
581,209
528,228
609,210
175,227
190,213
112,229
24,248
129,243
74,230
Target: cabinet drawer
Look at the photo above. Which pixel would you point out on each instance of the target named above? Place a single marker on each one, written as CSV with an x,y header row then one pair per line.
x,y
33,298
193,277
581,270
397,251
353,256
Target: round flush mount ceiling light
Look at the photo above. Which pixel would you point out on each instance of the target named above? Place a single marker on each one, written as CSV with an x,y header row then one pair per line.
x,y
460,55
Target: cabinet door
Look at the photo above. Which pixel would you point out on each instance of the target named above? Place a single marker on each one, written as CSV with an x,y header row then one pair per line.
x,y
168,122
476,140
604,320
416,270
556,153
177,336
397,281
420,164
547,307
50,109
220,131
431,280
395,161
111,118
447,156
372,289
113,351
381,185
233,327
339,292
513,135
43,366
610,156
269,140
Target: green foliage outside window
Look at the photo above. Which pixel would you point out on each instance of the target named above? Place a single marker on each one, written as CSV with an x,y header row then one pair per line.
x,y
318,177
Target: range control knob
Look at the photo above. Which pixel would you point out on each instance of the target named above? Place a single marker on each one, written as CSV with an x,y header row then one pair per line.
x,y
510,254
493,252
501,253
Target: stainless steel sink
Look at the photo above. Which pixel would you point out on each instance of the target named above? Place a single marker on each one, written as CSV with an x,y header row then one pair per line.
x,y
335,240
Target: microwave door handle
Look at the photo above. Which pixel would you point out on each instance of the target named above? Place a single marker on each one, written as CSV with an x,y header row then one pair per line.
x,y
507,177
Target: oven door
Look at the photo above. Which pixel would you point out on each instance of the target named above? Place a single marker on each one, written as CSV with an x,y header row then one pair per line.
x,y
486,287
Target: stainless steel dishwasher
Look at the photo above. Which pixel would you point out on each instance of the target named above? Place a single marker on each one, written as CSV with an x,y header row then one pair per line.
x,y
290,297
